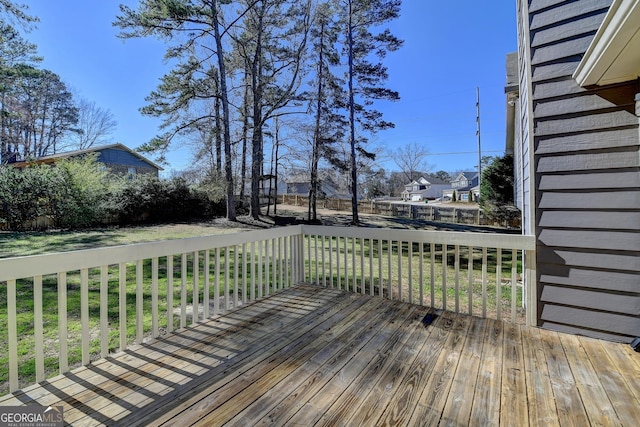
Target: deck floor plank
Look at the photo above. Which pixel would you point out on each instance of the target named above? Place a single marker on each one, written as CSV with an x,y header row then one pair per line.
x,y
321,390
262,377
406,398
457,410
513,405
341,338
613,374
486,401
594,398
570,409
541,404
435,393
627,363
375,386
390,394
278,337
188,348
312,355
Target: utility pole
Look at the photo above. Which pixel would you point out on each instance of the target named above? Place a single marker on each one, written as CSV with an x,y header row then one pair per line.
x,y
478,134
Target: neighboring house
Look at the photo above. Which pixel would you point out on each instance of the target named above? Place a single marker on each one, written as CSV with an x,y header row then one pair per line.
x,y
424,189
117,158
300,184
464,183
577,153
416,190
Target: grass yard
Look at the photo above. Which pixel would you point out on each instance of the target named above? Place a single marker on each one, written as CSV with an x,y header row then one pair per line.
x,y
14,244
423,278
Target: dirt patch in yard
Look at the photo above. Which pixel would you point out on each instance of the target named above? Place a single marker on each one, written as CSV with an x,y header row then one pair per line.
x,y
343,219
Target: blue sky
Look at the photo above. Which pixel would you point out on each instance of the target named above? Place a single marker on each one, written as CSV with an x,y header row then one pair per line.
x,y
450,49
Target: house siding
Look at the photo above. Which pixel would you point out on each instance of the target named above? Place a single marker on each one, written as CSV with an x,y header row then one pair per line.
x,y
521,153
120,161
587,175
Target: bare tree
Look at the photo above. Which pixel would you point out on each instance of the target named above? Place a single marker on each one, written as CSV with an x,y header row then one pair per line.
x,y
411,159
95,124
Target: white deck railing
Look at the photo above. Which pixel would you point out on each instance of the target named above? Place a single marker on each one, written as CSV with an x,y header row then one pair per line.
x,y
105,299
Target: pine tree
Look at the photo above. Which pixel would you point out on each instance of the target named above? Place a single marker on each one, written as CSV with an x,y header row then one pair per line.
x,y
16,56
366,78
193,31
272,44
329,124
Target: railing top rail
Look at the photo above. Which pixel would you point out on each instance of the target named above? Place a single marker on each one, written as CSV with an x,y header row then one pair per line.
x,y
37,265
40,265
492,240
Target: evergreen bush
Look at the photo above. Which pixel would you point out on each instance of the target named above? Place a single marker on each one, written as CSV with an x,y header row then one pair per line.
x,y
496,190
80,193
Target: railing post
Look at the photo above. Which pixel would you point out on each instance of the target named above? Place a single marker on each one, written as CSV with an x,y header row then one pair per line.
x,y
12,334
301,277
530,287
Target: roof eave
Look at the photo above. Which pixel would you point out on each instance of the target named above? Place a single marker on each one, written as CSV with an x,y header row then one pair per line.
x,y
614,53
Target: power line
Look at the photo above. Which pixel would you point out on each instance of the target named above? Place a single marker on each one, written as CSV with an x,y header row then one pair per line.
x,y
464,152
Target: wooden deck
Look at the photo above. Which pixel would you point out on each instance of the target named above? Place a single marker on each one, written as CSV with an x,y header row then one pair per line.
x,y
317,356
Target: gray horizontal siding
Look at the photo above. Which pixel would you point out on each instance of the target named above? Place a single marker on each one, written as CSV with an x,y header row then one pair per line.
x,y
587,168
575,237
607,139
587,24
619,303
576,105
565,49
565,11
587,318
604,280
554,71
585,123
590,161
538,5
556,88
591,181
594,333
591,258
605,220
605,200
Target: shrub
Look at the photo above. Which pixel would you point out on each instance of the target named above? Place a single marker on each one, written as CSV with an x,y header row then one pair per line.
x,y
25,194
80,192
80,200
146,198
496,190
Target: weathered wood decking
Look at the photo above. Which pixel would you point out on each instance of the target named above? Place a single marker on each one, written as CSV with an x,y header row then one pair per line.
x,y
320,356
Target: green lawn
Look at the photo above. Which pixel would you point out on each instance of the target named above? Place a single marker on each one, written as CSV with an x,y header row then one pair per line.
x,y
14,244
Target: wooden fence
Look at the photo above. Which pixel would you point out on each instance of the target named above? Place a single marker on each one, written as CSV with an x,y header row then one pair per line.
x,y
427,212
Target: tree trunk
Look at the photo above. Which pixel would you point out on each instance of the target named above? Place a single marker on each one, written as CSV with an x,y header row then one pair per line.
x,y
315,157
245,133
257,154
231,207
352,130
275,180
274,167
216,107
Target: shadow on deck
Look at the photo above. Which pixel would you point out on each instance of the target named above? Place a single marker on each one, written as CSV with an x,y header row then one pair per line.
x,y
311,355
